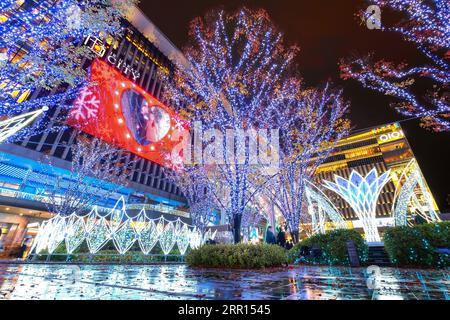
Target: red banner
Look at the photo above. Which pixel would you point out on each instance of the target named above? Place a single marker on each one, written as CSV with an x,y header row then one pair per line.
x,y
119,112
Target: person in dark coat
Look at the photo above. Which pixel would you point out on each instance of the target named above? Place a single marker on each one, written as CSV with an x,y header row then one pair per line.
x,y
289,245
281,238
270,237
22,248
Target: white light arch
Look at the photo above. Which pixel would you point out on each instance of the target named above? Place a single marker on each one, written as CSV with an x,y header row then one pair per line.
x,y
320,207
407,194
117,226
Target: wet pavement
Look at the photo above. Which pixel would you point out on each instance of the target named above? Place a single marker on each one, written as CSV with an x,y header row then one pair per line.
x,y
178,282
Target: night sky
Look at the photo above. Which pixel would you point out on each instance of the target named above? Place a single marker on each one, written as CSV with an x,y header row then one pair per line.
x,y
327,31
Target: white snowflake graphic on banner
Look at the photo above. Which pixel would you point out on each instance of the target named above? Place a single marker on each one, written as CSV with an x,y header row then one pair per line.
x,y
179,124
86,106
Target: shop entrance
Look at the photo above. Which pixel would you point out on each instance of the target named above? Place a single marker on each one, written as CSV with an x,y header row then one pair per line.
x,y
8,233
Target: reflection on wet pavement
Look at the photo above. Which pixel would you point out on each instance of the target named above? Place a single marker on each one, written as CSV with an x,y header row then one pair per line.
x,y
173,282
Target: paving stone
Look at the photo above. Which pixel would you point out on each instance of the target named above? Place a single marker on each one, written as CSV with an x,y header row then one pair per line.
x,y
173,282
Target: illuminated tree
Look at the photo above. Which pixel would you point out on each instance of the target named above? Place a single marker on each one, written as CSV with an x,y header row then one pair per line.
x,y
236,77
316,121
198,191
252,218
40,47
97,171
426,25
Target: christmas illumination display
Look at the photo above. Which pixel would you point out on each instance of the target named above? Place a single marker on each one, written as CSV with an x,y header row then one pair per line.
x,y
11,126
315,121
198,191
413,193
40,48
118,227
362,194
230,85
426,25
86,106
97,173
237,82
321,210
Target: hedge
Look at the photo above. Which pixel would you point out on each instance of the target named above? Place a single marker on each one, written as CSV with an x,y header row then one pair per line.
x,y
416,246
108,255
237,256
333,246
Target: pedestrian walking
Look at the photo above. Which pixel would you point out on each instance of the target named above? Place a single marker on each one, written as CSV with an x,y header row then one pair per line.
x,y
270,237
281,238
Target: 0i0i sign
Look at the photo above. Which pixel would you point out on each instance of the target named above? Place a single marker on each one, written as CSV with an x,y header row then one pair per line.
x,y
388,137
118,111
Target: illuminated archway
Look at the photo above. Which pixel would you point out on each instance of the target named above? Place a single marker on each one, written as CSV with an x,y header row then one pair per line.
x,y
117,226
413,196
321,209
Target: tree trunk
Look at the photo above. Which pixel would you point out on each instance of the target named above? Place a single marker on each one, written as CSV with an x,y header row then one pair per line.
x,y
295,236
237,228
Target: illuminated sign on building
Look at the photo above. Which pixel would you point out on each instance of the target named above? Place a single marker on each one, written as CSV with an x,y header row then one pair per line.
x,y
98,47
117,111
392,136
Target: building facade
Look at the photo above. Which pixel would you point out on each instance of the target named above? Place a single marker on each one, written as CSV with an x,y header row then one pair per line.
x,y
384,148
140,54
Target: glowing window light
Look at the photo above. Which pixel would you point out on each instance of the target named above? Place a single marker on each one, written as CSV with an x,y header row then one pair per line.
x,y
3,18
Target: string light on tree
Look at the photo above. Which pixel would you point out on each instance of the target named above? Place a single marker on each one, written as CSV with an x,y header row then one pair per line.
x,y
230,85
313,124
43,38
426,25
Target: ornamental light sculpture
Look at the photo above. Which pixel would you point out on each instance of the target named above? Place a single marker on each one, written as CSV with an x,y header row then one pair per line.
x,y
362,194
413,191
11,126
320,208
97,230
